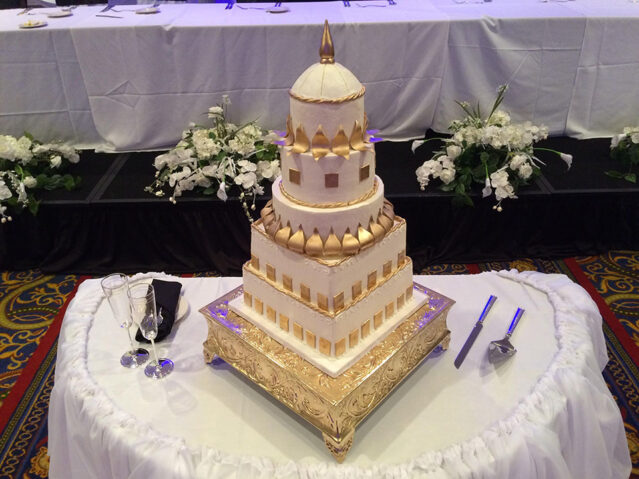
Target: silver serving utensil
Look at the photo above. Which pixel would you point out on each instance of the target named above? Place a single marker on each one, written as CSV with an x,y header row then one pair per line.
x,y
475,332
503,349
26,10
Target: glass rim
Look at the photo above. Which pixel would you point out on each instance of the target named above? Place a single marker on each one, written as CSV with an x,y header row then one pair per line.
x,y
104,282
133,288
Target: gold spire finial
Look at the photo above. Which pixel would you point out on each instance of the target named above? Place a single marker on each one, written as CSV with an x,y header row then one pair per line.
x,y
327,53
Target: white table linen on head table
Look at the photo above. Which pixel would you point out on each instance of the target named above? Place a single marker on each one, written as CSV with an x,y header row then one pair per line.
x,y
546,413
135,82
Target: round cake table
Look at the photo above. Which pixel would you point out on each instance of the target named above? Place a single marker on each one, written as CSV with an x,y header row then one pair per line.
x,y
544,413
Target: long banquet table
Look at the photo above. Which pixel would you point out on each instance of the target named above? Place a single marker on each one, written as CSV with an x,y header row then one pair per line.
x,y
135,82
545,413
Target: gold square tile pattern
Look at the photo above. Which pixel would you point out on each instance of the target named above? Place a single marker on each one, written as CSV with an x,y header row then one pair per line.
x,y
400,301
255,262
401,256
270,272
331,180
390,309
353,338
366,329
378,319
364,172
325,346
248,299
356,290
287,282
388,267
372,279
298,331
270,313
305,292
340,347
338,301
259,306
322,302
310,339
294,176
283,322
409,293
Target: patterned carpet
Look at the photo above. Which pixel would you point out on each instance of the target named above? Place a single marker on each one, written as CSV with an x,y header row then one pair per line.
x,y
32,306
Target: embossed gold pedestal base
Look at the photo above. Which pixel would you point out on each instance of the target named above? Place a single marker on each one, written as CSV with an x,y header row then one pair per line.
x,y
333,405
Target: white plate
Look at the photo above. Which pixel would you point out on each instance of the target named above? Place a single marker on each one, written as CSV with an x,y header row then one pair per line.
x,y
32,24
148,10
278,9
182,310
60,14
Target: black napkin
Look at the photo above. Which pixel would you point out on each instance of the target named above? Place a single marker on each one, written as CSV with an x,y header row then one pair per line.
x,y
167,296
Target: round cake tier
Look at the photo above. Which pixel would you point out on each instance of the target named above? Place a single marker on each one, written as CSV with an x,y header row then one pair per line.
x,y
339,219
330,116
331,179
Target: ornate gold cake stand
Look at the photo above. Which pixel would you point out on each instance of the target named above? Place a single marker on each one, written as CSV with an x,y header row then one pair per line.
x,y
333,405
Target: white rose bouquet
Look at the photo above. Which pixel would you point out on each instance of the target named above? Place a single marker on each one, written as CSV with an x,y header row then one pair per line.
x,y
491,151
212,160
625,148
27,165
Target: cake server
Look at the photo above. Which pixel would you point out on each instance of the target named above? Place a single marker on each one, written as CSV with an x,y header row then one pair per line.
x,y
475,332
503,349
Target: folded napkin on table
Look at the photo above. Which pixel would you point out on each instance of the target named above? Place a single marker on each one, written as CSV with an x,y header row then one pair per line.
x,y
167,296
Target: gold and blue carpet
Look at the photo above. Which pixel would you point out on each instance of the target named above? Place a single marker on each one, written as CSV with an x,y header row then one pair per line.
x,y
32,306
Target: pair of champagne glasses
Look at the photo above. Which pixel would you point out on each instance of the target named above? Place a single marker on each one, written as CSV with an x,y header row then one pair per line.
x,y
135,304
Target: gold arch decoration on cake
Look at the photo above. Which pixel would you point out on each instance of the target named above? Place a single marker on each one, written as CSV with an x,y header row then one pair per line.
x,y
321,145
337,204
300,142
313,245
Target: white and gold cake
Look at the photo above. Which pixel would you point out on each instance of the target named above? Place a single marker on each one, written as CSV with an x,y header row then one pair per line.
x,y
328,277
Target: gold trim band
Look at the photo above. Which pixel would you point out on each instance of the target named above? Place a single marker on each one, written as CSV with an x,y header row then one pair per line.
x,y
317,309
344,99
339,204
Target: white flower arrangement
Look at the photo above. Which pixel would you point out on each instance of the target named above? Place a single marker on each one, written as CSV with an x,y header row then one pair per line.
x,y
212,160
491,151
625,148
27,165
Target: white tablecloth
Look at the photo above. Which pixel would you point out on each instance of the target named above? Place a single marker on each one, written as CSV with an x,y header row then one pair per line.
x,y
546,413
136,82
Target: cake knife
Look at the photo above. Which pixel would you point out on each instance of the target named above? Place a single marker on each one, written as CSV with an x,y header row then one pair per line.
x,y
475,332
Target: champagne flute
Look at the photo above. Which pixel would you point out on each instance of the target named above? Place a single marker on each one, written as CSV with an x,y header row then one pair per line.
x,y
142,300
116,287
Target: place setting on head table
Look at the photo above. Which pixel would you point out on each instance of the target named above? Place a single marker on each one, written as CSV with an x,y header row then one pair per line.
x,y
154,306
113,6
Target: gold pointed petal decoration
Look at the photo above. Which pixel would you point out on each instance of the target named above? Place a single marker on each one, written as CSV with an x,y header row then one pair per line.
x,y
296,242
314,245
301,143
320,146
340,144
273,228
377,230
385,221
282,235
357,138
389,211
290,136
268,219
332,246
365,237
350,244
267,210
326,51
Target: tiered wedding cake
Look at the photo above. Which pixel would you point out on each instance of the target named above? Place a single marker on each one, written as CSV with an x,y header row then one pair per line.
x,y
328,277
